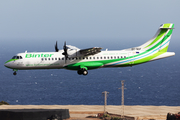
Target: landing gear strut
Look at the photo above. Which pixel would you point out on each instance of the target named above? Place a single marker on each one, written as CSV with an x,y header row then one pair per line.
x,y
82,71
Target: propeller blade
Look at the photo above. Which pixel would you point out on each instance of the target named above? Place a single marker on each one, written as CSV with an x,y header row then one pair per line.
x,y
56,47
65,44
65,51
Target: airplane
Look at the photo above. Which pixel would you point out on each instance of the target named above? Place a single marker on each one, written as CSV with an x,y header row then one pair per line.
x,y
82,60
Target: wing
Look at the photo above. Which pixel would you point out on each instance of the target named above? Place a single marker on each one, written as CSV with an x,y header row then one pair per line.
x,y
90,51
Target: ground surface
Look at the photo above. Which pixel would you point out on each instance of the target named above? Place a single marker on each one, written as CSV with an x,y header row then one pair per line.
x,y
80,112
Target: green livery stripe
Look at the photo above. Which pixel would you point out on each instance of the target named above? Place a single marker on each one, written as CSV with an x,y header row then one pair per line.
x,y
97,64
172,26
163,31
11,60
143,57
157,45
87,65
146,59
167,35
166,25
143,60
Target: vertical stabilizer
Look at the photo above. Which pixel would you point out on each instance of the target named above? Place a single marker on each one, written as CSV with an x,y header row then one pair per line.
x,y
160,40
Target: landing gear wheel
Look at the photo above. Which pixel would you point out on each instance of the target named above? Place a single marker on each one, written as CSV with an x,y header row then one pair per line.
x,y
14,73
80,72
85,72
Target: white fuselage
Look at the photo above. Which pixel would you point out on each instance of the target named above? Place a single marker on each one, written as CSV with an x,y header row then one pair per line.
x,y
55,60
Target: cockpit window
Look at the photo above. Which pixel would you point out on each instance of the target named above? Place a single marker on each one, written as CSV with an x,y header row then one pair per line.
x,y
17,57
14,57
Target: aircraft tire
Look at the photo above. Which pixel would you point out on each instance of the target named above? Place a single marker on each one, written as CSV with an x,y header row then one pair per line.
x,y
14,73
85,72
80,72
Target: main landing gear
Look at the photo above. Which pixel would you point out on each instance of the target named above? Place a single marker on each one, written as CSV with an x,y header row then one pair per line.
x,y
82,71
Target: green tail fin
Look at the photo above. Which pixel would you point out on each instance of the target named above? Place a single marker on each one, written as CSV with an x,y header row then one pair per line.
x,y
161,38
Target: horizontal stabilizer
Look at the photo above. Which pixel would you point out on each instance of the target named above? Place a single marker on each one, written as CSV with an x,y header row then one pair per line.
x,y
164,55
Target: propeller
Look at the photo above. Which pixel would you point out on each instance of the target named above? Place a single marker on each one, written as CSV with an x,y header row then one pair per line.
x,y
56,47
65,51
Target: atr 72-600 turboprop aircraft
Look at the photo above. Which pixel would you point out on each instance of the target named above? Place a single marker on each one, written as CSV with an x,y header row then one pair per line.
x,y
82,60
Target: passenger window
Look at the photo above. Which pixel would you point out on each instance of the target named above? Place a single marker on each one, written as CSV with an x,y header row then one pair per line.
x,y
52,58
55,58
93,57
86,57
49,59
45,58
104,57
89,57
101,57
121,57
114,57
111,57
79,57
118,57
62,58
107,57
69,58
59,58
83,58
124,56
42,59
97,57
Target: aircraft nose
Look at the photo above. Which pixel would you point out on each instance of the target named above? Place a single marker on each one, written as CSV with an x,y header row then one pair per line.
x,y
6,65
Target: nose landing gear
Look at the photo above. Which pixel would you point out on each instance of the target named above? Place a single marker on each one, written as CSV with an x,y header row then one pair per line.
x,y
15,72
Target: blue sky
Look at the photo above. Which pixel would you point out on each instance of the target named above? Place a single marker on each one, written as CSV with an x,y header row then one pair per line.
x,y
85,21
